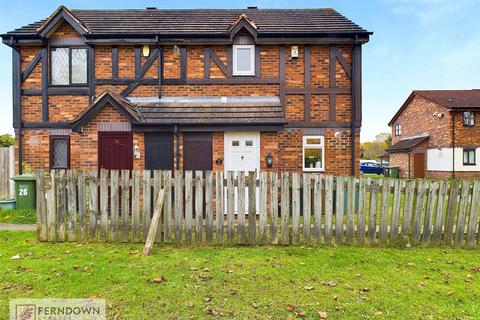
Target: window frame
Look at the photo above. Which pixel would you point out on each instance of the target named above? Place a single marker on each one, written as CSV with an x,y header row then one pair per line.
x,y
52,138
398,129
320,146
70,83
235,72
473,114
474,156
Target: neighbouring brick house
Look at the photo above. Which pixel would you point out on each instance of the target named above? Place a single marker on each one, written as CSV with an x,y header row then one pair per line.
x,y
188,89
428,126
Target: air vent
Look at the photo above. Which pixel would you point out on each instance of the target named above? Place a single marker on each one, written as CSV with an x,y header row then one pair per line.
x,y
252,8
152,8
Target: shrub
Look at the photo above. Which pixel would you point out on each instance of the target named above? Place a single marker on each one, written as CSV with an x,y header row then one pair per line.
x,y
6,140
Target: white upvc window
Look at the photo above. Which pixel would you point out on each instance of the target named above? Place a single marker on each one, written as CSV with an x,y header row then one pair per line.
x,y
398,129
314,153
244,60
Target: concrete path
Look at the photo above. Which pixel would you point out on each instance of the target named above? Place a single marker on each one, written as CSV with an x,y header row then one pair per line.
x,y
17,227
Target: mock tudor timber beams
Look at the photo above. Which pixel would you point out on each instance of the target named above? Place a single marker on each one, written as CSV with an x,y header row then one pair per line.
x,y
16,87
31,65
45,115
114,62
307,84
210,54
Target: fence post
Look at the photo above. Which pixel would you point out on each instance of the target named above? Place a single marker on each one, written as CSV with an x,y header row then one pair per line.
x,y
328,209
252,207
473,220
72,205
317,207
209,205
199,201
462,213
295,208
219,210
285,208
307,206
362,209
241,207
41,206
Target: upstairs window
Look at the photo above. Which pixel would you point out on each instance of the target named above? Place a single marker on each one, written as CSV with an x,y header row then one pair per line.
x,y
243,60
398,129
68,66
59,152
469,119
469,157
313,153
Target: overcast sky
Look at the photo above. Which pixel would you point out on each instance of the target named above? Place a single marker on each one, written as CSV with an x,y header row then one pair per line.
x,y
417,44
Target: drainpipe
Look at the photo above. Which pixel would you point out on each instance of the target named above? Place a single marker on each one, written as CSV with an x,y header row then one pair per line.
x,y
409,166
16,81
177,147
354,84
453,144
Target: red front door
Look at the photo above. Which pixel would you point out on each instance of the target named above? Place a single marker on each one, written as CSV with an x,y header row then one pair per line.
x,y
115,150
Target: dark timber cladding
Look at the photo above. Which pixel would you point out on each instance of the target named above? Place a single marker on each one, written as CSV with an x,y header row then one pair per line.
x,y
159,150
197,150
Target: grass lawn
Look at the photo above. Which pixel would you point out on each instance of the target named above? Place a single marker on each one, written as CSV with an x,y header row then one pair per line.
x,y
19,216
246,282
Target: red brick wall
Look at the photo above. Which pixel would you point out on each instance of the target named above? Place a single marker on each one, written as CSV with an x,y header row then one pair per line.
x,y
285,146
418,118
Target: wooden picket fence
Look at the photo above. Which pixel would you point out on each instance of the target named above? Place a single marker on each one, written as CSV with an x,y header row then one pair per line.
x,y
7,167
291,209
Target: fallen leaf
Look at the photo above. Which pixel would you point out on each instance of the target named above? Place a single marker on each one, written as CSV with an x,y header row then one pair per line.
x,y
364,289
323,314
16,257
75,267
190,304
289,308
449,293
207,299
450,261
378,313
335,297
158,279
308,288
421,285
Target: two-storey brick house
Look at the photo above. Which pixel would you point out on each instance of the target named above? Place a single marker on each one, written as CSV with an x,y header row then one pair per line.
x,y
188,89
436,134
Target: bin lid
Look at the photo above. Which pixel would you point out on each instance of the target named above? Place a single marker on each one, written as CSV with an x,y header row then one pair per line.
x,y
24,177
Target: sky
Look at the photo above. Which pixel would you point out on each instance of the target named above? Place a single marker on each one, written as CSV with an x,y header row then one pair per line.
x,y
417,44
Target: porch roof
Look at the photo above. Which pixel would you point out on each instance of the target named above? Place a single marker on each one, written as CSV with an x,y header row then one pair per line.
x,y
226,111
210,110
407,144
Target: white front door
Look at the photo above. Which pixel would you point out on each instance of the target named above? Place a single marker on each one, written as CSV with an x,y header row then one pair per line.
x,y
242,153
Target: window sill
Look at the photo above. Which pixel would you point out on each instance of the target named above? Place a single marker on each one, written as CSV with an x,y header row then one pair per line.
x,y
313,170
244,75
79,85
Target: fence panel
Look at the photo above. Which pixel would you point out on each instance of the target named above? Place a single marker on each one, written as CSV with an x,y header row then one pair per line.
x,y
7,169
116,206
